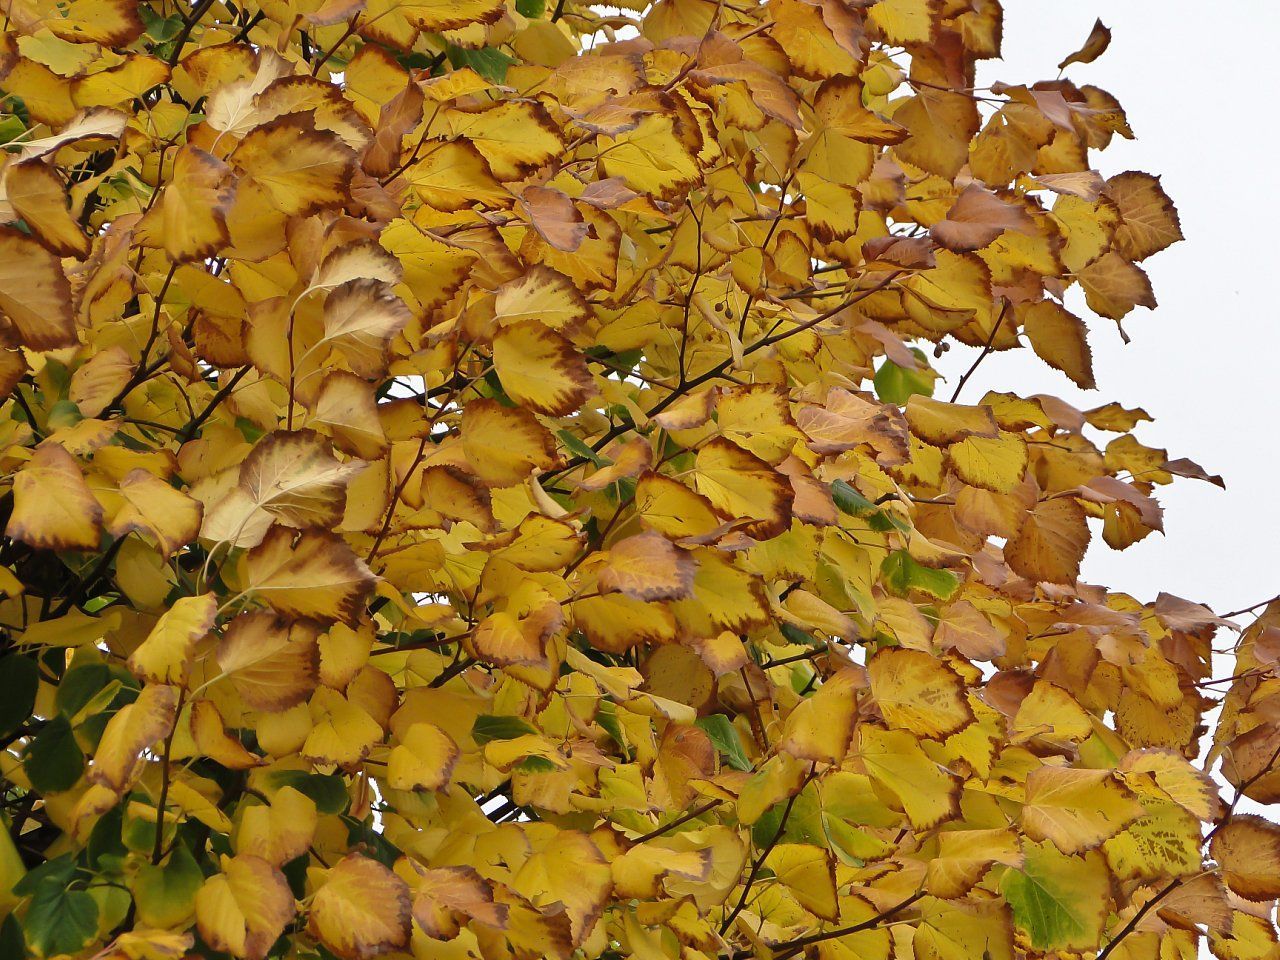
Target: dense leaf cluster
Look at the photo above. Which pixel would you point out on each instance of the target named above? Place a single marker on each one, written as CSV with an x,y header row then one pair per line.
x,y
475,484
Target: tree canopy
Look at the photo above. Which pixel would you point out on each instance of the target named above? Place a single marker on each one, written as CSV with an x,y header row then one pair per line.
x,y
478,482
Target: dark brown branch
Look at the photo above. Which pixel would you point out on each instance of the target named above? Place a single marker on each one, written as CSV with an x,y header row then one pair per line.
x,y
986,349
691,815
1146,908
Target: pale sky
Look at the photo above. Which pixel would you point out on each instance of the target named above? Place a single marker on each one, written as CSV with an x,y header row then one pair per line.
x,y
1200,95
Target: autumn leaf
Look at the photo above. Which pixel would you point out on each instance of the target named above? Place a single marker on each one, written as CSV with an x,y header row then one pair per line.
x,y
362,909
476,481
314,575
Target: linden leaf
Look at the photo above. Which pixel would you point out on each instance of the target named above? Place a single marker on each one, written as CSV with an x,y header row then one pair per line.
x,y
291,478
554,216
34,293
648,567
918,692
1059,339
423,759
189,222
810,874
165,656
977,218
928,793
820,727
1076,809
444,897
740,484
1059,901
1051,542
541,369
298,168
278,831
941,423
504,445
153,507
360,318
272,662
1148,221
130,731
244,909
37,195
362,910
1113,286
53,508
317,575
1247,848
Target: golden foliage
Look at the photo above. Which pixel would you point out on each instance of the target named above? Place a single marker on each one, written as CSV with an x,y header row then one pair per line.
x,y
474,484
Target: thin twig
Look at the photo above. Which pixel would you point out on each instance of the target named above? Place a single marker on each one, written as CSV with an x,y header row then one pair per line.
x,y
986,349
1146,908
691,815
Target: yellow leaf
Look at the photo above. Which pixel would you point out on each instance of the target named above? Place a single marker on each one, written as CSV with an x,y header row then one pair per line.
x,y
993,463
271,661
317,575
810,874
1247,847
342,733
1058,338
928,793
362,909
541,369
1076,809
1148,221
52,506
941,423
740,484
504,444
918,692
153,507
189,222
278,831
647,567
165,656
423,760
130,731
1051,542
34,293
244,909
37,196
821,725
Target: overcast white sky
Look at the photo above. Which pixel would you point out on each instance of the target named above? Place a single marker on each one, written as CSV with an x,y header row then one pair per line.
x,y
1203,363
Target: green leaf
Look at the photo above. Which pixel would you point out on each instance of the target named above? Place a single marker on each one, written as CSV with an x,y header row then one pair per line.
x,y
19,683
579,449
54,762
1058,900
795,634
533,9
59,920
607,717
489,63
328,793
488,728
57,871
165,895
12,945
895,384
533,764
80,685
723,734
902,574
848,499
